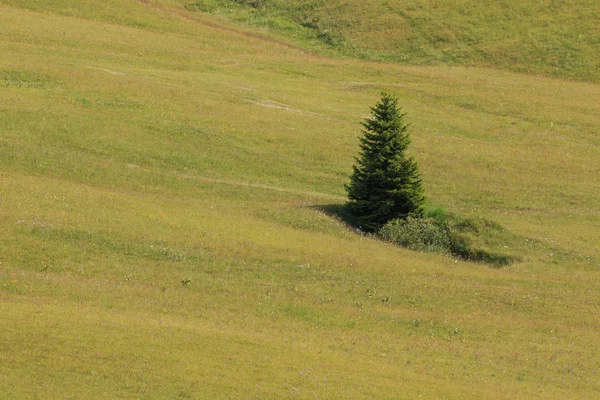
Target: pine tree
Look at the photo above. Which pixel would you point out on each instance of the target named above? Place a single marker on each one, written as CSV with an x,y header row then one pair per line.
x,y
385,184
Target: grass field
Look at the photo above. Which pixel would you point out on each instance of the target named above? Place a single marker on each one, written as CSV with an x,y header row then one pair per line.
x,y
550,38
163,178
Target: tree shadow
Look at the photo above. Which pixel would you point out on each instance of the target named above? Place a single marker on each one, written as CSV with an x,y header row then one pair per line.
x,y
339,212
460,246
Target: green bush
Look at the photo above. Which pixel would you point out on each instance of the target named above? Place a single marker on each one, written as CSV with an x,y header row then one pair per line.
x,y
472,239
417,234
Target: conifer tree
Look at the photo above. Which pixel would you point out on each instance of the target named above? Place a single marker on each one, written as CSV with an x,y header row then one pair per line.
x,y
386,183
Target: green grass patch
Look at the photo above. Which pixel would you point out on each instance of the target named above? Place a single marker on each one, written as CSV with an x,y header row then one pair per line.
x,y
552,39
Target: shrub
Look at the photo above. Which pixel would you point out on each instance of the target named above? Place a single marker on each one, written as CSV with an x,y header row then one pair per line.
x,y
472,239
417,234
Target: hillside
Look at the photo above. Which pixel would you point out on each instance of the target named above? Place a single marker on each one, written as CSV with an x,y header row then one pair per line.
x,y
165,176
551,38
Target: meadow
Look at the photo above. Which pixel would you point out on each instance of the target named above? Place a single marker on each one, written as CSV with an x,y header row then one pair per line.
x,y
550,38
165,176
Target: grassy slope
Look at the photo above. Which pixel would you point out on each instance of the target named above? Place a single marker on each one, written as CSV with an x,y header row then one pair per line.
x,y
142,148
551,38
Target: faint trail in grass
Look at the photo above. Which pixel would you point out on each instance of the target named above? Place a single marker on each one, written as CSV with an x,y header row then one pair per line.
x,y
108,71
286,107
184,14
262,186
276,104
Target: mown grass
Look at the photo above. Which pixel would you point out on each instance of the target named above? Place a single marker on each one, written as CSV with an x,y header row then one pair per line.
x,y
161,233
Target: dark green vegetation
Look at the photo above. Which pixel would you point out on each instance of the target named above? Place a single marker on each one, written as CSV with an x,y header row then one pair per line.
x,y
471,239
162,173
385,196
385,183
553,38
